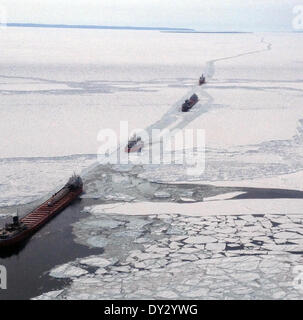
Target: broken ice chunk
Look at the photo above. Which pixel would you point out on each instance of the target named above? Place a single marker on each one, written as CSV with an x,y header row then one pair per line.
x,y
161,194
200,239
96,261
167,295
97,241
67,271
215,246
183,199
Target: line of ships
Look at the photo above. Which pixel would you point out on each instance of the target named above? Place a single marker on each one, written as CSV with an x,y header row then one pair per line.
x,y
135,143
21,229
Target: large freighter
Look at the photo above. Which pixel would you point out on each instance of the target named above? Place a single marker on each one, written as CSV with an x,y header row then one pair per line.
x,y
16,232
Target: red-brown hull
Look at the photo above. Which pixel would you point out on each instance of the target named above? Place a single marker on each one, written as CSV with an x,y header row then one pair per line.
x,y
136,148
192,103
39,217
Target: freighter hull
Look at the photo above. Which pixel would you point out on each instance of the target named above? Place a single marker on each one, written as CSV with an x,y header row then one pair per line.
x,y
136,148
39,217
188,104
187,108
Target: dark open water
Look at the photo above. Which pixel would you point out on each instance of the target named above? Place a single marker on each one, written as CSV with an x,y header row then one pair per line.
x,y
50,246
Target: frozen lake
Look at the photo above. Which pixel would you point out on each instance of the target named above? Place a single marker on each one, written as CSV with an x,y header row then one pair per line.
x,y
59,88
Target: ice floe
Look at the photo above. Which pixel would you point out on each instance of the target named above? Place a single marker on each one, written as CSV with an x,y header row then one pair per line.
x,y
231,207
67,271
229,264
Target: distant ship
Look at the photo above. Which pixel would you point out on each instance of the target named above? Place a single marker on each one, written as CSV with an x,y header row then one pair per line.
x,y
21,229
135,144
188,104
201,80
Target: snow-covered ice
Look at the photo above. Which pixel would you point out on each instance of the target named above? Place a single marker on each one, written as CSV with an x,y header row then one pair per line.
x,y
253,95
165,234
67,271
23,180
230,207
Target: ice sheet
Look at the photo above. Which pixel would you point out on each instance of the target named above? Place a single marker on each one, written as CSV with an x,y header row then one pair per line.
x,y
55,98
230,207
223,196
161,240
28,179
291,181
